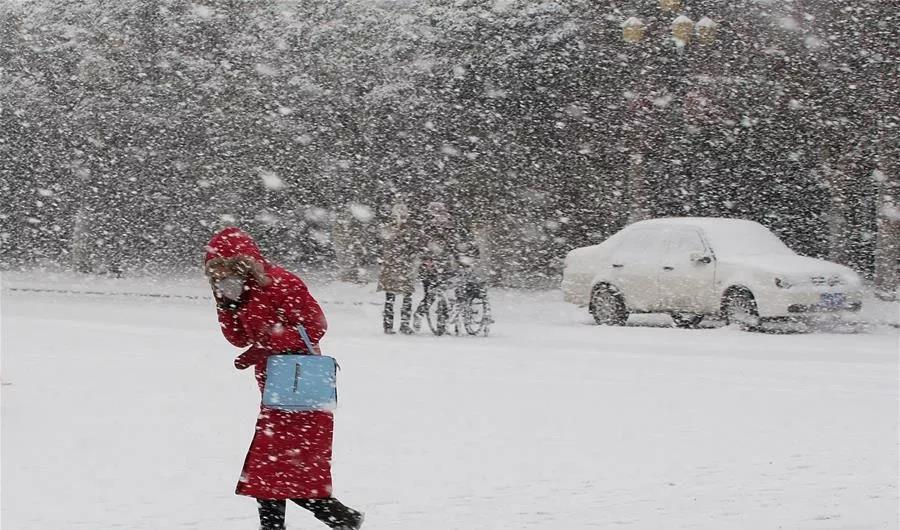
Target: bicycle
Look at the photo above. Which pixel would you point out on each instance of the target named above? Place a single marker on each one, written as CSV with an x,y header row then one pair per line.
x,y
466,308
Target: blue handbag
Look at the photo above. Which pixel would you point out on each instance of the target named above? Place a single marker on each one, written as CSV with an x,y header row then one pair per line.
x,y
300,382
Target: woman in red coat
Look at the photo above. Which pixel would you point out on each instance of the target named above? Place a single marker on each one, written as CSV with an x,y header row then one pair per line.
x,y
260,305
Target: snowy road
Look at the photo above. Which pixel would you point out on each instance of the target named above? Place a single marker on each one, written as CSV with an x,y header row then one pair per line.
x,y
125,413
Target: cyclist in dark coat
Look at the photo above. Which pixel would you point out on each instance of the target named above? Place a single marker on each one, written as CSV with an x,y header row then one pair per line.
x,y
444,249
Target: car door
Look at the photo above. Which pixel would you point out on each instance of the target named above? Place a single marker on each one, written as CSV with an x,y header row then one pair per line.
x,y
687,276
636,264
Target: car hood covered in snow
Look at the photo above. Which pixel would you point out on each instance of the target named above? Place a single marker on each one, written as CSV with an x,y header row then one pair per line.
x,y
788,265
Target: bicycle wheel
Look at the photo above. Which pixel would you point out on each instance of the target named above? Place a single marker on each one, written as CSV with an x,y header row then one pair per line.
x,y
477,315
437,314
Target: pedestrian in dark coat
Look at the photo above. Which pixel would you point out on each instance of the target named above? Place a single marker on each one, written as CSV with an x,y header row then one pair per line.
x,y
397,275
438,256
260,306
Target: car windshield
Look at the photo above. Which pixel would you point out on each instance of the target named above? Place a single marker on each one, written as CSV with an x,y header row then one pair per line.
x,y
746,240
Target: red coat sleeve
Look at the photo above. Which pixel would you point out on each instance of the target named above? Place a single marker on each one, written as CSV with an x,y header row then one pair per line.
x,y
232,328
299,307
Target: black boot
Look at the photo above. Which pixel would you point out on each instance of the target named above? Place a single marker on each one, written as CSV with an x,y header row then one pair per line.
x,y
333,513
388,314
405,314
271,514
356,522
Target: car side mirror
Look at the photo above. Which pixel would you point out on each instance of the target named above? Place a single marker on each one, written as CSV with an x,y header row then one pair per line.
x,y
701,257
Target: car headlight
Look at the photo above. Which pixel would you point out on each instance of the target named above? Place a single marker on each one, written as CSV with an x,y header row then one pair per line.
x,y
783,283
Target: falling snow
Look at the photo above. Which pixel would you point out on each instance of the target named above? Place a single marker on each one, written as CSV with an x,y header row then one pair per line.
x,y
520,130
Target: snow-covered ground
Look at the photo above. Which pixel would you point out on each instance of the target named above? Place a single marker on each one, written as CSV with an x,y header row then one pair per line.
x,y
125,412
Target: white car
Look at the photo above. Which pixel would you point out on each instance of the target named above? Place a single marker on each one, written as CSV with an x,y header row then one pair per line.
x,y
695,267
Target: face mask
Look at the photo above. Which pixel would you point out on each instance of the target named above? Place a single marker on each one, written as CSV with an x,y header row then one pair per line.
x,y
231,287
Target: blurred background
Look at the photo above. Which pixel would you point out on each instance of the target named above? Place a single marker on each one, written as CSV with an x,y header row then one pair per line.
x,y
131,130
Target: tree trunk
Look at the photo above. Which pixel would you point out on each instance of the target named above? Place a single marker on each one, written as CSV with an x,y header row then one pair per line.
x,y
484,240
886,95
80,248
839,227
638,190
887,251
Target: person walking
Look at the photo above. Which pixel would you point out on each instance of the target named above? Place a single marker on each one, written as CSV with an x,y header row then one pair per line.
x,y
397,275
260,305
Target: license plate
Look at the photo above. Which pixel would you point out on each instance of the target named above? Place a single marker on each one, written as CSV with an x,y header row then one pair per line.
x,y
833,300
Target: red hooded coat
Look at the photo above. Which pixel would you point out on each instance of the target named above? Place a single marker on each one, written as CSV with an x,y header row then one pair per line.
x,y
290,456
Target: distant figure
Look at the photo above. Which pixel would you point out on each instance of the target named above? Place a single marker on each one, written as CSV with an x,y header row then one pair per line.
x,y
260,306
350,251
397,268
439,259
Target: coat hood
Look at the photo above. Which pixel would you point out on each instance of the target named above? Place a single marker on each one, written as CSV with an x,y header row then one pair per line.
x,y
232,242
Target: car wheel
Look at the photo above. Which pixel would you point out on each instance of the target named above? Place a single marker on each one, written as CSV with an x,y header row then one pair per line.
x,y
607,307
740,309
687,320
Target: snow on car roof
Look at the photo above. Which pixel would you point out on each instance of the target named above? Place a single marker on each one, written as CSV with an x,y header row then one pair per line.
x,y
727,237
699,222
738,237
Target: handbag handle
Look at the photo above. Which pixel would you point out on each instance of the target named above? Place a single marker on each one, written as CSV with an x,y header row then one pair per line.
x,y
305,337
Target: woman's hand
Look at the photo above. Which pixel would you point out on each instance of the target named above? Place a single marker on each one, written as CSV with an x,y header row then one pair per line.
x,y
221,302
227,305
240,363
253,356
